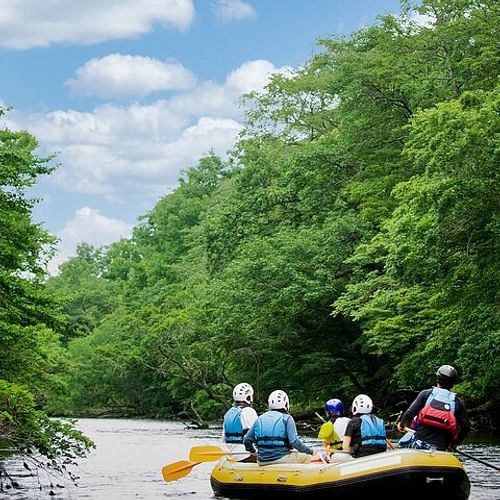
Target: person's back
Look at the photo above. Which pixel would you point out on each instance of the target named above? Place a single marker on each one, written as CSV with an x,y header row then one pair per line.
x,y
274,434
365,433
271,436
232,427
332,432
440,414
241,416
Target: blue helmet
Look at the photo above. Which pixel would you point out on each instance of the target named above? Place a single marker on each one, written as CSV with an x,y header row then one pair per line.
x,y
334,407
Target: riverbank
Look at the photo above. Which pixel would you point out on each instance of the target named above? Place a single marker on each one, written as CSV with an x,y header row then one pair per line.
x,y
307,420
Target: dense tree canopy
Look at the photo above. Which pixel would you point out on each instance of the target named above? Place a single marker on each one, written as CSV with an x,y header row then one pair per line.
x,y
31,353
348,244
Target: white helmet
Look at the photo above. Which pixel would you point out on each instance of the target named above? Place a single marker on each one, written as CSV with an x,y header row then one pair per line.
x,y
362,404
278,400
243,393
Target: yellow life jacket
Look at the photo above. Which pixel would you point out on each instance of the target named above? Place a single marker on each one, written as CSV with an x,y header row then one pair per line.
x,y
327,433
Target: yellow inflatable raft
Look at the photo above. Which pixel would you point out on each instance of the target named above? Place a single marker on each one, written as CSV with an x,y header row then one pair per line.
x,y
403,474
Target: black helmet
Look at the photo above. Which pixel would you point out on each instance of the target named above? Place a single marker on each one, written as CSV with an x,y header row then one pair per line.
x,y
447,376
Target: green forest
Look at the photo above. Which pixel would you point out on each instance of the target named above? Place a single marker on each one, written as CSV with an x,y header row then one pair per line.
x,y
348,243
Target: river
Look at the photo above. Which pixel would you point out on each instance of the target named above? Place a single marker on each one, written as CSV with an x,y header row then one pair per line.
x,y
131,452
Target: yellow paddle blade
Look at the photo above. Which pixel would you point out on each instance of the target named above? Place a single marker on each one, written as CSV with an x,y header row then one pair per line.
x,y
206,453
177,470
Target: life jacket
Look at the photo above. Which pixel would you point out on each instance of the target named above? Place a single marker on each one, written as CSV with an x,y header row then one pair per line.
x,y
439,411
233,430
335,441
372,431
270,430
328,433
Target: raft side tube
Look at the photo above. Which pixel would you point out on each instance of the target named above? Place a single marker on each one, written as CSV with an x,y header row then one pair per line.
x,y
393,474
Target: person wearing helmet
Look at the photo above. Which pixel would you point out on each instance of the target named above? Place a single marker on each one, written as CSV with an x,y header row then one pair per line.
x,y
440,414
365,433
240,417
332,431
274,434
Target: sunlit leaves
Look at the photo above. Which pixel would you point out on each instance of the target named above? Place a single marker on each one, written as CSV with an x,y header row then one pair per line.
x,y
351,236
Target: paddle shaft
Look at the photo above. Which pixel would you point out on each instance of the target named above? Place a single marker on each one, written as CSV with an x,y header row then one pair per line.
x,y
210,452
221,453
472,457
319,416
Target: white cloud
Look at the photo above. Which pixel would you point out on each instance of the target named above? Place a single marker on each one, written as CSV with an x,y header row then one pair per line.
x,y
222,100
139,150
88,225
252,75
107,125
422,20
150,168
27,23
119,75
136,151
217,134
229,10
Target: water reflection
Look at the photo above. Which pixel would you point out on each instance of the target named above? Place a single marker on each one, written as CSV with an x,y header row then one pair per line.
x,y
485,481
130,454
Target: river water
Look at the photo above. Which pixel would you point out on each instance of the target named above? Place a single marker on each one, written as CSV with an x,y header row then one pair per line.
x,y
130,454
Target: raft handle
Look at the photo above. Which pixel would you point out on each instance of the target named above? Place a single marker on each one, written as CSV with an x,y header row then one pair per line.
x,y
434,479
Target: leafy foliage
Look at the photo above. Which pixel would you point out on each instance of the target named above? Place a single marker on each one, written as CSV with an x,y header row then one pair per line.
x,y
350,238
29,319
437,288
348,244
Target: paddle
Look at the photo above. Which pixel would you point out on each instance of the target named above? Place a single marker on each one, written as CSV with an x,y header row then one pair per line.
x,y
210,453
177,470
472,457
320,417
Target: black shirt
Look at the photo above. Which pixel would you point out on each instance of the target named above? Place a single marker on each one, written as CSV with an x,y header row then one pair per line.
x,y
353,430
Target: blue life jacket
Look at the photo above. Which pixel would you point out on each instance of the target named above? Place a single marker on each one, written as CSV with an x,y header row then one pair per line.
x,y
443,396
270,430
233,430
372,431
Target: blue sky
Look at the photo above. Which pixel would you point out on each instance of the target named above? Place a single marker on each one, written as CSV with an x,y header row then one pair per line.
x,y
129,93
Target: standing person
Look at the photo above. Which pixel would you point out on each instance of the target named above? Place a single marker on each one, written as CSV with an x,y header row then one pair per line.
x,y
440,414
332,432
241,416
365,433
275,435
